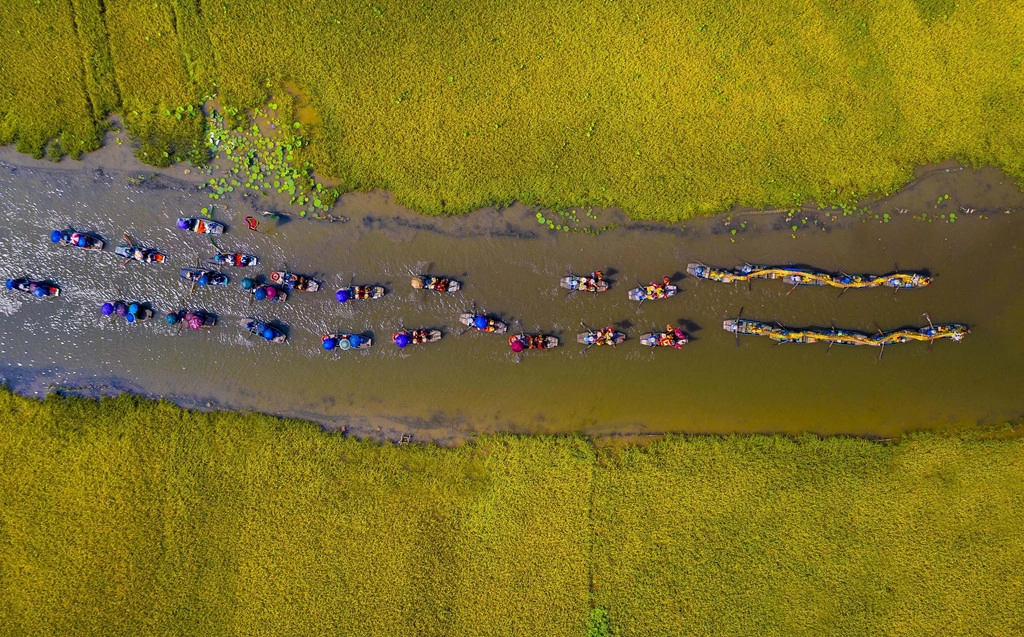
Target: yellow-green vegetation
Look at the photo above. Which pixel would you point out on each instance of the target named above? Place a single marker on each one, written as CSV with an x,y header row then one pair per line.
x,y
666,109
127,516
130,517
772,536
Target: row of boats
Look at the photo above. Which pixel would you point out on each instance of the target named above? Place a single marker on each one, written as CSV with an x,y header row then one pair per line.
x,y
281,283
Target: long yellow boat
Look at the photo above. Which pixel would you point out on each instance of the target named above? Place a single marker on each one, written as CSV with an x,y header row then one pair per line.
x,y
804,276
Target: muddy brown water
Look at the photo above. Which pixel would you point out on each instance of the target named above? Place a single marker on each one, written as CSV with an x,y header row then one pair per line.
x,y
510,266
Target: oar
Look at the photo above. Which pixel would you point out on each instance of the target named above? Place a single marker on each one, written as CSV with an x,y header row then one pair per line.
x,y
795,285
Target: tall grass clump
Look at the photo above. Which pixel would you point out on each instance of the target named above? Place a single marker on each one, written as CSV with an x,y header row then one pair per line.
x,y
774,536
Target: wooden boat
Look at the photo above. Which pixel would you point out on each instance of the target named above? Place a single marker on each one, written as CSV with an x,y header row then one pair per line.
x,y
264,330
232,259
804,276
345,342
520,342
38,289
200,226
358,292
295,282
833,336
130,312
437,284
720,275
671,337
204,277
267,292
606,336
593,283
136,253
192,319
482,323
653,291
76,239
415,337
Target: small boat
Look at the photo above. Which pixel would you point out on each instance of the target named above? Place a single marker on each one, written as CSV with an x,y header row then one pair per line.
x,y
482,323
415,337
653,291
264,330
593,283
606,336
437,284
204,277
720,275
905,280
267,292
135,253
200,226
955,331
233,259
76,239
345,342
38,289
131,312
520,342
671,337
295,282
192,319
344,295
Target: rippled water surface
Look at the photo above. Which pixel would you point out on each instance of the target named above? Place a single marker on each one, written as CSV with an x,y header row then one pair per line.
x,y
511,268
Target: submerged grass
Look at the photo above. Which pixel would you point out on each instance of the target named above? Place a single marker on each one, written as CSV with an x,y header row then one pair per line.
x,y
127,516
666,110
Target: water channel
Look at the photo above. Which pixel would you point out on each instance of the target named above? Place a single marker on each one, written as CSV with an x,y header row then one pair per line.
x,y
510,266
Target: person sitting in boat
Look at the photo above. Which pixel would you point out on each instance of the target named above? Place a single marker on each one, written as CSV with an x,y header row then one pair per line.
x,y
439,285
665,339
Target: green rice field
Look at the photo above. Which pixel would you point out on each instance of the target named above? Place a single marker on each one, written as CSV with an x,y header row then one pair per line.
x,y
668,110
126,516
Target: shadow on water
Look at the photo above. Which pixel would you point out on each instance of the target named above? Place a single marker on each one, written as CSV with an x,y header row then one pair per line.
x,y
448,390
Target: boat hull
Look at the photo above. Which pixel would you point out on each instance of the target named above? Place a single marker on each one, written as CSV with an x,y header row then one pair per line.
x,y
234,260
264,330
493,325
435,284
344,342
201,226
142,255
590,338
583,284
295,282
643,294
194,274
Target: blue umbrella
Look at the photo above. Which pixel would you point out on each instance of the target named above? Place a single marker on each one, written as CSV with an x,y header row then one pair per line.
x,y
480,322
329,344
56,236
341,296
107,309
402,340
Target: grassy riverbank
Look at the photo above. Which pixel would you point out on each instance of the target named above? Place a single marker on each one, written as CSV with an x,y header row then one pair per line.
x,y
128,516
666,111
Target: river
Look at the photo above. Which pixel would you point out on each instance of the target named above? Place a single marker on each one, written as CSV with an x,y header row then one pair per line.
x,y
510,266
